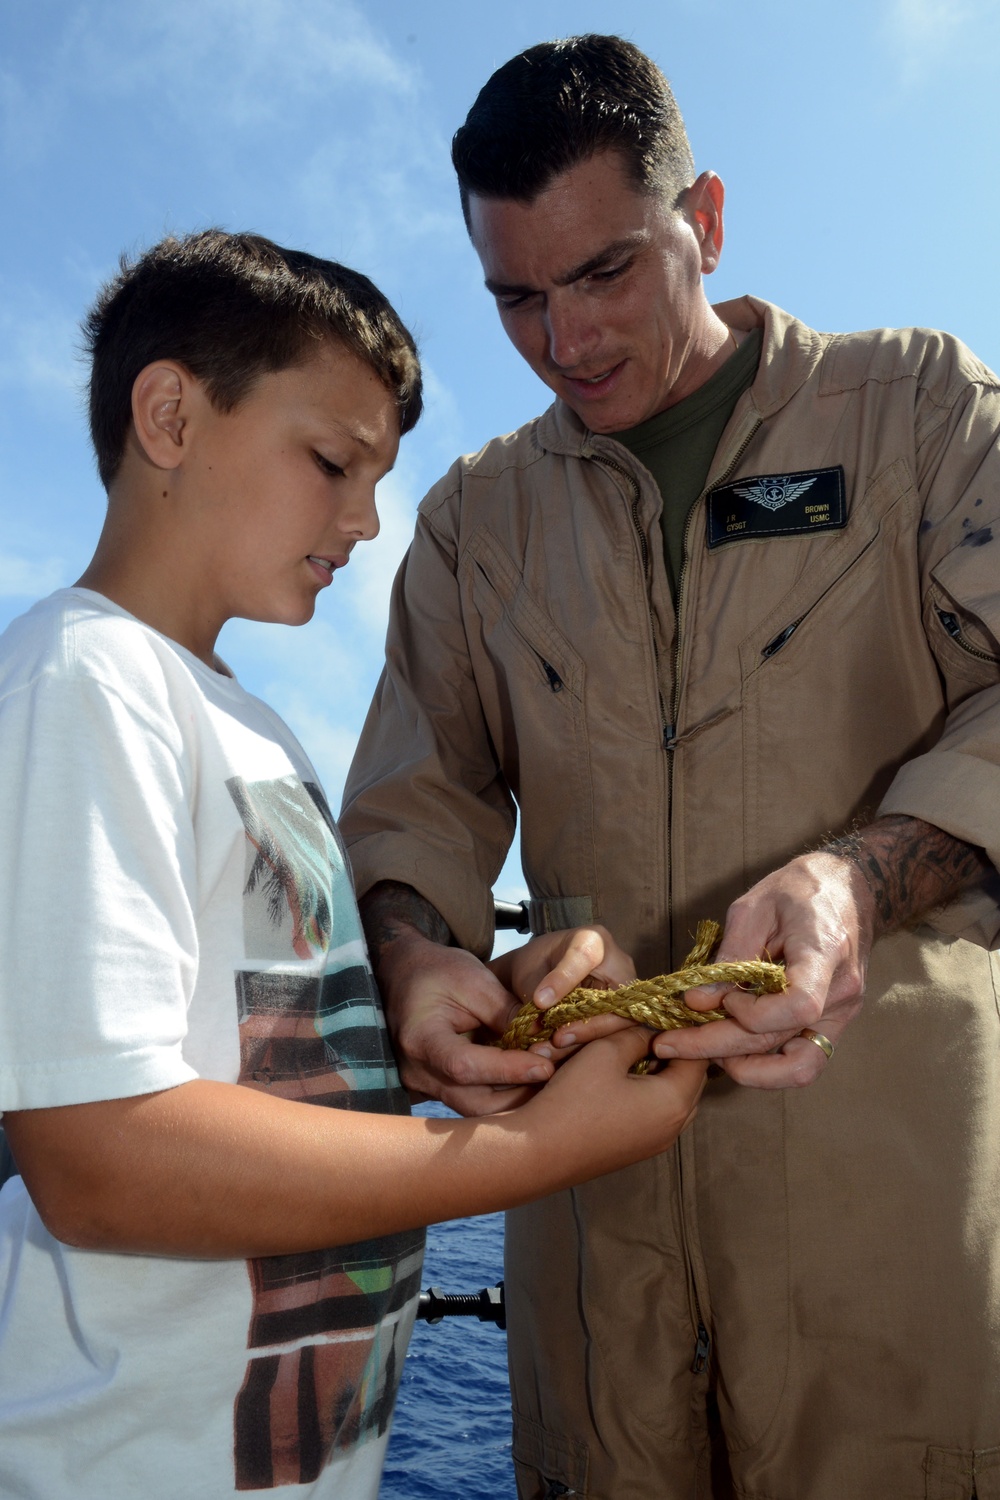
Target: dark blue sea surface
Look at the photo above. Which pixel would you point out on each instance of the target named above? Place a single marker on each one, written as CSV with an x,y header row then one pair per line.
x,y
451,1432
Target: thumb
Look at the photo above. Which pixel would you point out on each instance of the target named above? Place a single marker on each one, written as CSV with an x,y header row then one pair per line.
x,y
582,955
631,1044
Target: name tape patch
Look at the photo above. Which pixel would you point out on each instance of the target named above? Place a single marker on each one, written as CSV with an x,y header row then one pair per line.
x,y
777,505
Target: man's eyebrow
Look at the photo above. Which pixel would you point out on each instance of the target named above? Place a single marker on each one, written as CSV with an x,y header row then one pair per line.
x,y
604,257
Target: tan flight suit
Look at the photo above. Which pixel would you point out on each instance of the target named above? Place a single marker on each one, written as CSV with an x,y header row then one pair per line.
x,y
827,1260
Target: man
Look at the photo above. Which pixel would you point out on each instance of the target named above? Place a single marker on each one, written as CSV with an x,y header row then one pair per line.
x,y
723,620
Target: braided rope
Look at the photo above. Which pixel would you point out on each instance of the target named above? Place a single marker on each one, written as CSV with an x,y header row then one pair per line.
x,y
650,1002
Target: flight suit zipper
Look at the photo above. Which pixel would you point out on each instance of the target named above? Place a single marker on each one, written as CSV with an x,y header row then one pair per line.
x,y
703,1342
633,485
670,736
954,629
702,1350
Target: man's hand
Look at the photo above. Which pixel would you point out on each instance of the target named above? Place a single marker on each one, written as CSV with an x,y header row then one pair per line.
x,y
444,1008
821,913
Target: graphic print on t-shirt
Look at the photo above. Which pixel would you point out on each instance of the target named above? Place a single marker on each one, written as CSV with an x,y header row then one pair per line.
x,y
326,1322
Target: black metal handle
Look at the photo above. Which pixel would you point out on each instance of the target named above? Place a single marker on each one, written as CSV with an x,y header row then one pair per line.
x,y
488,1305
511,916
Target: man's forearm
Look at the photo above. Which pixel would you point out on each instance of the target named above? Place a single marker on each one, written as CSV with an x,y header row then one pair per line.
x,y
910,867
390,910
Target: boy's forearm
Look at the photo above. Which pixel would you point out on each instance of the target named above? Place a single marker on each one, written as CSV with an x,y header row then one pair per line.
x,y
215,1169
219,1170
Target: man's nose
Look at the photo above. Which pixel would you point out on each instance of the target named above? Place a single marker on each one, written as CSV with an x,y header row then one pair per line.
x,y
570,331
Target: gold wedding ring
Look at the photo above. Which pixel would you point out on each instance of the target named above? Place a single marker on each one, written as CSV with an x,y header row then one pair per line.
x,y
823,1042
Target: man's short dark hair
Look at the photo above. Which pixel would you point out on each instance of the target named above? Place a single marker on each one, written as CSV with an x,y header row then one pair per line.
x,y
556,105
230,308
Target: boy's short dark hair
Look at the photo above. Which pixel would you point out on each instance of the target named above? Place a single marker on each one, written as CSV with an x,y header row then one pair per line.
x,y
230,308
556,105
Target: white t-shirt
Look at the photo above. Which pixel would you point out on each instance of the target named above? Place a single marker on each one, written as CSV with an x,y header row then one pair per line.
x,y
175,905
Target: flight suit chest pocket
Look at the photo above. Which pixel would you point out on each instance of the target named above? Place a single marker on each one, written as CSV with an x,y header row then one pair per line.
x,y
834,677
515,630
531,682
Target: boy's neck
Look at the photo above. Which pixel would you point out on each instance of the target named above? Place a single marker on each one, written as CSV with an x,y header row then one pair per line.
x,y
143,564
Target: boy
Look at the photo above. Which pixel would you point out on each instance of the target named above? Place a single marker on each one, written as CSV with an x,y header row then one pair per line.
x,y
174,1320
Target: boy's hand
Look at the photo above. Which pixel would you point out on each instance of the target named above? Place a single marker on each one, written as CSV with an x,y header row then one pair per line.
x,y
545,970
596,1117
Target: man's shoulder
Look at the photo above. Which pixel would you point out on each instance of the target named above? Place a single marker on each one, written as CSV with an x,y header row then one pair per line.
x,y
506,458
797,357
938,362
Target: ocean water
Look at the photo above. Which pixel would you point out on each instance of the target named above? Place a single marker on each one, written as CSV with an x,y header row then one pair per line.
x,y
451,1432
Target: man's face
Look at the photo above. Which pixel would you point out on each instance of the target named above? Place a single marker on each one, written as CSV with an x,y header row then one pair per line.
x,y
598,286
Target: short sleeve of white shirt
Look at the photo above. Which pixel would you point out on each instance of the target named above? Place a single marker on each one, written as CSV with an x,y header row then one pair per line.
x,y
97,923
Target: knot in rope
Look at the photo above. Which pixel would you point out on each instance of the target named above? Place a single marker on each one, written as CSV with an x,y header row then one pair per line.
x,y
650,1002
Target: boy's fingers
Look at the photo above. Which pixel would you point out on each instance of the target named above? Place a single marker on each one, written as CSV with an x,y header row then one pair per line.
x,y
631,1042
688,1078
578,1033
483,1100
584,953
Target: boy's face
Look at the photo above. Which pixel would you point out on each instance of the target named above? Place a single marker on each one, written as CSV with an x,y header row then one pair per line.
x,y
284,486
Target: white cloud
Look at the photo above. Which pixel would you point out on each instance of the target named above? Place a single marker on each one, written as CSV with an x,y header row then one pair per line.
x,y
38,345
29,578
255,55
923,33
442,415
296,104
368,581
329,743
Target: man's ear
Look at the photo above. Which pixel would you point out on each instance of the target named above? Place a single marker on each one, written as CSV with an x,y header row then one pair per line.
x,y
161,396
703,203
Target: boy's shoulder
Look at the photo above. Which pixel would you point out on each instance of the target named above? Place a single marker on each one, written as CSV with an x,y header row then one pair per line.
x,y
75,634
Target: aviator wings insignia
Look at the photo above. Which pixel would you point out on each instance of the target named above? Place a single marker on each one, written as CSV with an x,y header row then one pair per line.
x,y
775,491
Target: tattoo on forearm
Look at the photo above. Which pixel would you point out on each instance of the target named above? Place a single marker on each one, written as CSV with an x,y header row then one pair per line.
x,y
389,907
911,867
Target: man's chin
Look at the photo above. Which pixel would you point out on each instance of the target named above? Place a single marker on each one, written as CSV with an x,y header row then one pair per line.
x,y
603,423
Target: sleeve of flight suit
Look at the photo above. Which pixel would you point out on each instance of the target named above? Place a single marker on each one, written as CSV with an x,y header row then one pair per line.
x,y
956,785
425,801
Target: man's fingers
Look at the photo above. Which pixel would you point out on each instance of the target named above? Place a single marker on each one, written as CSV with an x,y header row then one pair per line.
x,y
716,1040
482,1100
809,978
456,1060
443,1056
790,1011
799,1063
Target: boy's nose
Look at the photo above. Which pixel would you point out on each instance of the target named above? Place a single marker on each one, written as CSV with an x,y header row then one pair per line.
x,y
362,519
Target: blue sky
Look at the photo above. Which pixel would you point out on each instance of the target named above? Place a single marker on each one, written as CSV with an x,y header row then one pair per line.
x,y
858,140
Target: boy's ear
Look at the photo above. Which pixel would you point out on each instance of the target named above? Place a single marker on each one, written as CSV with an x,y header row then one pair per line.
x,y
160,399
